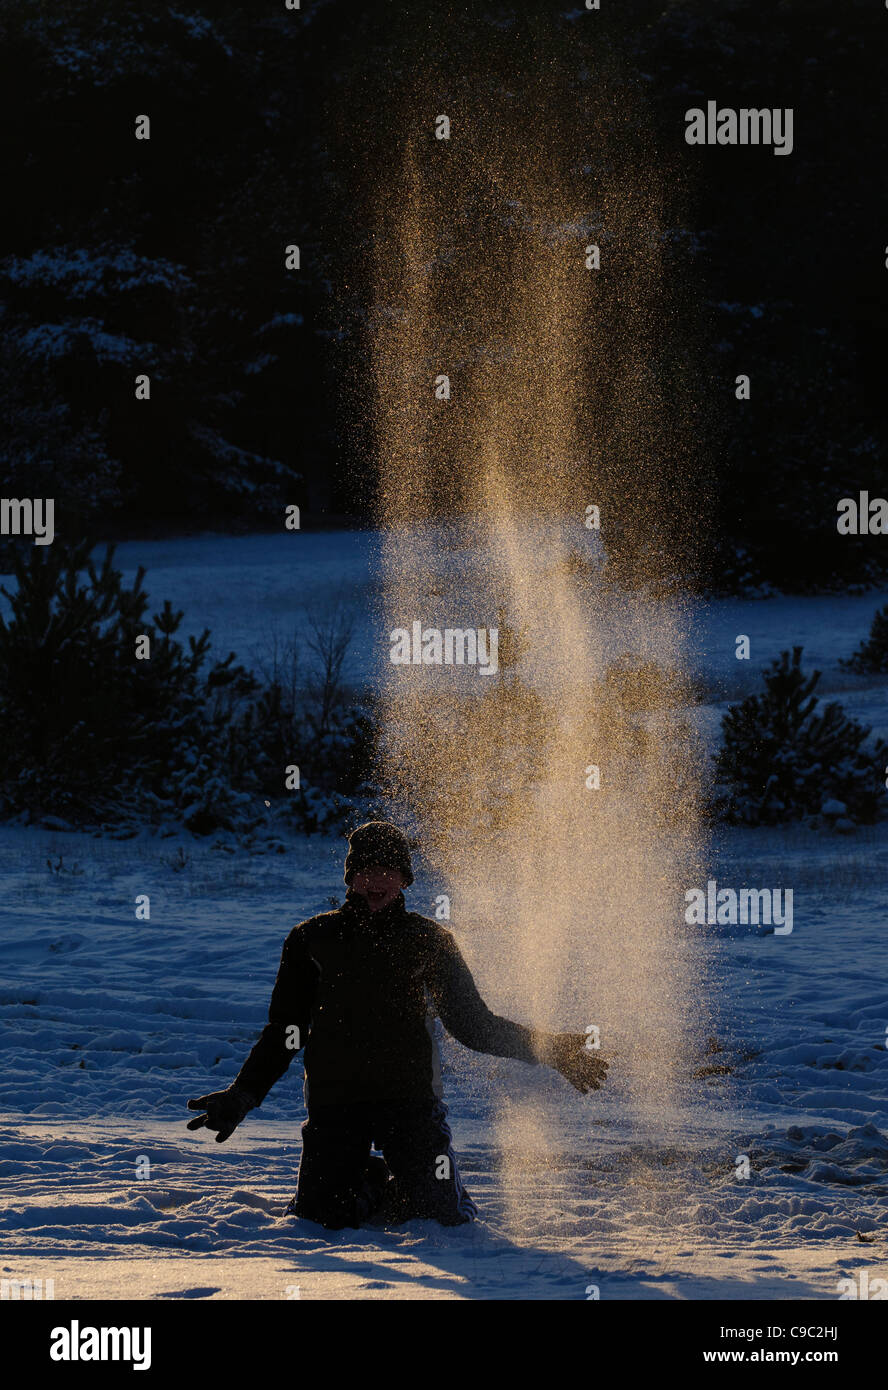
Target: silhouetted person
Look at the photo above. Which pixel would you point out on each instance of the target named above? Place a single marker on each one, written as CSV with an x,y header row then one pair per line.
x,y
360,988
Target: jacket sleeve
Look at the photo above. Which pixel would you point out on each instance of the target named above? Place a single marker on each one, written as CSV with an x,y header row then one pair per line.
x,y
464,1013
291,1003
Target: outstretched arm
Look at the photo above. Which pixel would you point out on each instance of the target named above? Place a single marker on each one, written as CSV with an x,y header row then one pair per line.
x,y
466,1016
289,1019
289,1016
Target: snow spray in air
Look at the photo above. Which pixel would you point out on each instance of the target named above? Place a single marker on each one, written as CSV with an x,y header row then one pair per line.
x,y
536,537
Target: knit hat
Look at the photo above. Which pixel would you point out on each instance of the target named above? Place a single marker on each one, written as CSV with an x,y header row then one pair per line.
x,y
378,842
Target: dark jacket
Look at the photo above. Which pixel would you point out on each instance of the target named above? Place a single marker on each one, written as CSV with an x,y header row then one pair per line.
x,y
363,989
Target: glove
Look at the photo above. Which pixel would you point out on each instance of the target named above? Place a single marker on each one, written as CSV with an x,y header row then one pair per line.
x,y
224,1111
567,1053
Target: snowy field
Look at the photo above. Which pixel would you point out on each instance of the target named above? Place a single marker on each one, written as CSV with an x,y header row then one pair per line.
x,y
110,1024
249,589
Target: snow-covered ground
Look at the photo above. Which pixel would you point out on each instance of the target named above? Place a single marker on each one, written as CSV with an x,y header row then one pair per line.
x,y
246,589
111,1023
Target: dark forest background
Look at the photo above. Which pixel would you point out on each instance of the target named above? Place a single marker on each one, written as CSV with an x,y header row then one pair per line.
x,y
166,256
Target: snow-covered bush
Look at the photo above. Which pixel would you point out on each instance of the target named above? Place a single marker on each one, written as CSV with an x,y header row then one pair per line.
x,y
871,657
783,758
95,735
304,716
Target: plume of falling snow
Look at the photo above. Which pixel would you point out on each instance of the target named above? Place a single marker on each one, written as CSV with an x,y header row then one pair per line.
x,y
566,896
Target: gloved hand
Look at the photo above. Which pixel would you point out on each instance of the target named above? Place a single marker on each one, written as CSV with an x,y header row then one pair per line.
x,y
568,1053
224,1110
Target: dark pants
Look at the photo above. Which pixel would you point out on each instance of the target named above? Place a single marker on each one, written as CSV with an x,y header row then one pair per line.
x,y
341,1185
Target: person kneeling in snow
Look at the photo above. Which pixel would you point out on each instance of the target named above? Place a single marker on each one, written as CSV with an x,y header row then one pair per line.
x,y
360,988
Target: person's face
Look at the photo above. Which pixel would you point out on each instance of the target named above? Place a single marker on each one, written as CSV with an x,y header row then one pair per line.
x,y
378,885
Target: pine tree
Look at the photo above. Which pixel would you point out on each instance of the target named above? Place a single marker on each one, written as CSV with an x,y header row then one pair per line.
x,y
871,657
783,759
92,733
